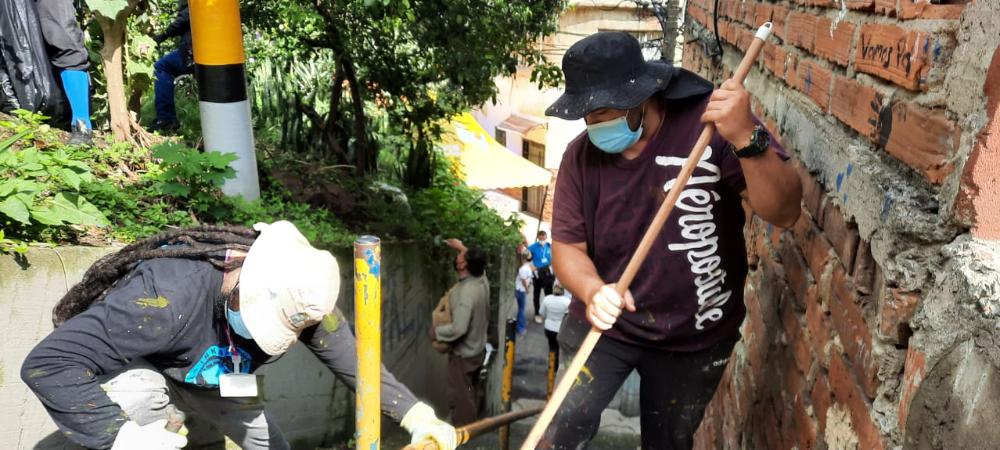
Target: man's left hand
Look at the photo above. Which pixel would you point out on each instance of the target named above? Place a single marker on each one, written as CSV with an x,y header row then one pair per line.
x,y
729,109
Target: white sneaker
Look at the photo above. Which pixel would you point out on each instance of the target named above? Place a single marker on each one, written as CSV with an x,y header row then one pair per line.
x,y
538,319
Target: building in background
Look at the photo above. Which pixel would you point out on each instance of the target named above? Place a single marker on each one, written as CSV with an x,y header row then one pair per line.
x,y
517,120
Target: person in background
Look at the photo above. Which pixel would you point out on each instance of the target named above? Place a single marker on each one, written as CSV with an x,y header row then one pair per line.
x,y
175,63
521,286
554,309
67,54
469,306
541,259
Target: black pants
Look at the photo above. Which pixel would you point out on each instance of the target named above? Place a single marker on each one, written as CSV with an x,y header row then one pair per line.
x,y
553,337
543,281
674,389
63,34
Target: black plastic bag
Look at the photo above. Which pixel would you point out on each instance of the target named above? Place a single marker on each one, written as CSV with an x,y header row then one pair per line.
x,y
26,77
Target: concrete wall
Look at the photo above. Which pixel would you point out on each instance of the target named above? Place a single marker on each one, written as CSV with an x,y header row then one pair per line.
x,y
310,406
872,321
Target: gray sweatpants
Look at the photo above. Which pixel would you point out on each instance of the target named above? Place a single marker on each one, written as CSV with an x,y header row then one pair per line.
x,y
144,393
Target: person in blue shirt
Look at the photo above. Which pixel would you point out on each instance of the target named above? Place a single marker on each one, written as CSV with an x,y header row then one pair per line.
x,y
541,260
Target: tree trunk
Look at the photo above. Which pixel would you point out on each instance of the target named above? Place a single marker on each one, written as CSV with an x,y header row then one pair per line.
x,y
363,159
111,57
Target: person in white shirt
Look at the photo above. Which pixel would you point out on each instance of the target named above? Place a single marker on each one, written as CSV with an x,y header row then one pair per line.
x,y
522,284
554,308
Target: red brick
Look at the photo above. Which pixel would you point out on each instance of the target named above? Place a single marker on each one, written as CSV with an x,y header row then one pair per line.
x,y
795,267
815,248
847,393
854,334
834,44
843,235
914,371
812,191
806,428
860,4
895,54
699,15
762,13
744,38
749,11
801,30
857,105
792,69
895,311
817,326
820,398
774,59
779,15
924,139
887,7
909,9
864,268
814,81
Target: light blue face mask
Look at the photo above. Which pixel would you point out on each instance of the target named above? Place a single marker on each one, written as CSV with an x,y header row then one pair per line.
x,y
615,136
236,323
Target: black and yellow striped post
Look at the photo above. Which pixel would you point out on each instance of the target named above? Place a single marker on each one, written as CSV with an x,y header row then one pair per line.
x,y
507,384
217,40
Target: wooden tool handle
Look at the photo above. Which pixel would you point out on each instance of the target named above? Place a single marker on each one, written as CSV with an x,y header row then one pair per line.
x,y
466,433
589,342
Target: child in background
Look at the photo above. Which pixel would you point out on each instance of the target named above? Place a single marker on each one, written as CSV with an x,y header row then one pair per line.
x,y
554,308
521,287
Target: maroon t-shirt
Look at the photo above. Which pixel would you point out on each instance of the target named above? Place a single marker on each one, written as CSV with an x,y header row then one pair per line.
x,y
689,290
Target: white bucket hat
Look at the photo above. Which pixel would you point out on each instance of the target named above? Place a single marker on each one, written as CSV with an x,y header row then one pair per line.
x,y
286,286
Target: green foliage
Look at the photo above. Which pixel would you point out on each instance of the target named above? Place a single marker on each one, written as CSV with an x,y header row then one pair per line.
x,y
41,186
193,178
107,8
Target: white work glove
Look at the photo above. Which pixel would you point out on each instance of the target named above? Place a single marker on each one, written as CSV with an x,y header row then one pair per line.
x,y
421,422
606,305
153,436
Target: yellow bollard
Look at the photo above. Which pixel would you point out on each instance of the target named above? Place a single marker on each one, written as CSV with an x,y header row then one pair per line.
x,y
367,322
508,379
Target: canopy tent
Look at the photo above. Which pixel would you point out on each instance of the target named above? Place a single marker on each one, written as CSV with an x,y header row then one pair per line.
x,y
485,163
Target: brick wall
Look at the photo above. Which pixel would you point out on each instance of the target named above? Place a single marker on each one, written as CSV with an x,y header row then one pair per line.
x,y
886,109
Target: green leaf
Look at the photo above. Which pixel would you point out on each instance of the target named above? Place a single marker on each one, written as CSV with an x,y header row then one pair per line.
x,y
15,209
138,68
71,178
175,189
72,208
107,8
7,143
44,215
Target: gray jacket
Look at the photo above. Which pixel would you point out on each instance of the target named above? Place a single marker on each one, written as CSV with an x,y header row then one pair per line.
x,y
469,304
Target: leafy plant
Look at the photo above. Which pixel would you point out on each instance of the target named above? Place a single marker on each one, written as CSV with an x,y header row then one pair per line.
x,y
39,187
193,178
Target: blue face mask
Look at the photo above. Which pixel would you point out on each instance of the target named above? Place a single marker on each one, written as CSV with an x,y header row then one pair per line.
x,y
236,323
614,136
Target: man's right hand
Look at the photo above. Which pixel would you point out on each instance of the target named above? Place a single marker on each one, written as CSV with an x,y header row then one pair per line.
x,y
606,305
153,436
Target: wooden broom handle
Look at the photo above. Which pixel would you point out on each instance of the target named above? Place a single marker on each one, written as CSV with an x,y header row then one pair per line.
x,y
589,342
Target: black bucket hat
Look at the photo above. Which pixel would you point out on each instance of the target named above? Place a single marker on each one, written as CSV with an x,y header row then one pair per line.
x,y
607,70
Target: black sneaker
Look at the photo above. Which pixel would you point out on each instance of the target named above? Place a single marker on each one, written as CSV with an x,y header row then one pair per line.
x,y
165,126
81,135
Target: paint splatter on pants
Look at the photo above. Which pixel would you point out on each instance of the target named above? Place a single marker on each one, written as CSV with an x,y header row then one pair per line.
x,y
674,389
463,377
144,393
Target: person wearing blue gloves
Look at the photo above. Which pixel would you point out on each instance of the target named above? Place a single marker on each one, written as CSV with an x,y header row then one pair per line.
x,y
64,37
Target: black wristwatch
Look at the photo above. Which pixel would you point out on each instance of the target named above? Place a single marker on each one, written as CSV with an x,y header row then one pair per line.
x,y
759,142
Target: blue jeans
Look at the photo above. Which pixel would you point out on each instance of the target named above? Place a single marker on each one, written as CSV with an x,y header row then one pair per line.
x,y
166,69
521,298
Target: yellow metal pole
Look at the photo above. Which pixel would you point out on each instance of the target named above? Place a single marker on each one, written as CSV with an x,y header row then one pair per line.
x,y
367,322
508,379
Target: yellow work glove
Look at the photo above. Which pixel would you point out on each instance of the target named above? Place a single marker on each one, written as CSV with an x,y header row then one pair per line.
x,y
422,423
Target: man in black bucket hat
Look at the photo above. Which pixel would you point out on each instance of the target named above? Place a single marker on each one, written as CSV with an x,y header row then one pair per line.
x,y
680,321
